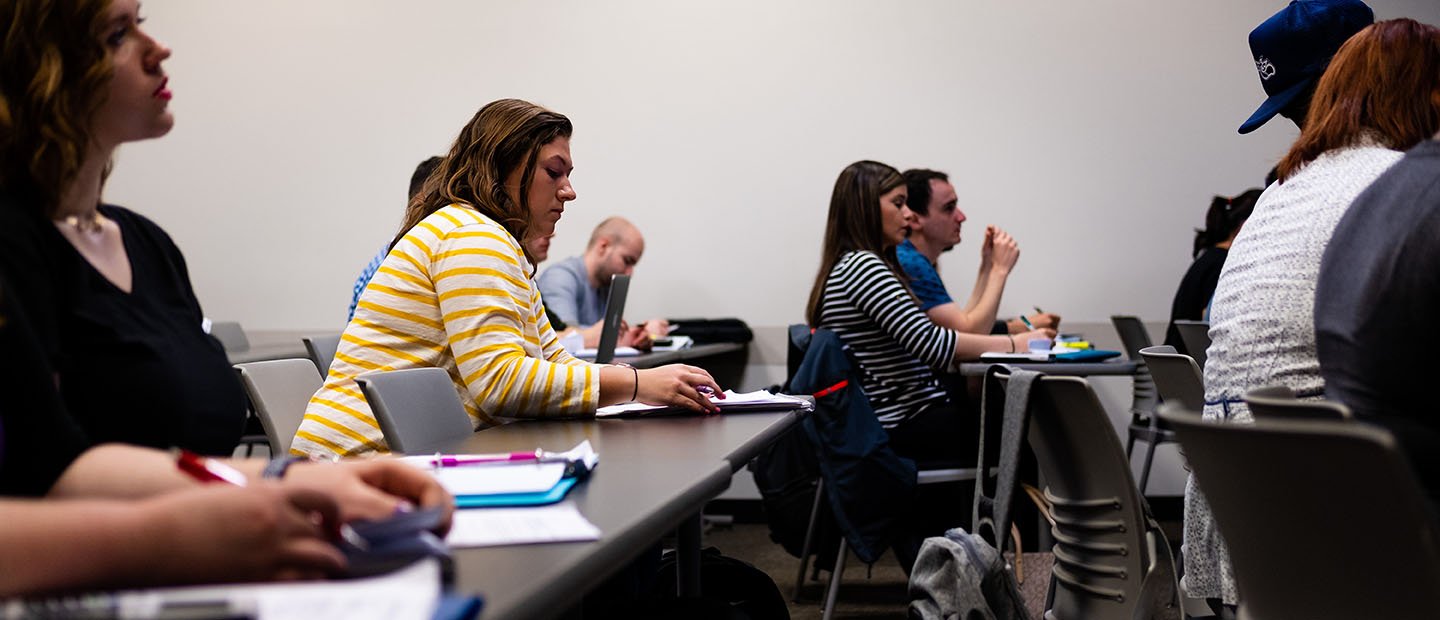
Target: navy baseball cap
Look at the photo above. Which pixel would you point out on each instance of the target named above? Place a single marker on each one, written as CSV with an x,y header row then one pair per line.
x,y
1293,48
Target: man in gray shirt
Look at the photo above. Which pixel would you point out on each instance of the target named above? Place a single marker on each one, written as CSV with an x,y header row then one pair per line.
x,y
576,288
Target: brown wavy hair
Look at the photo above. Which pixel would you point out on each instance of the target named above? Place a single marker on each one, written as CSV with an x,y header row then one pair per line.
x,y
54,70
854,223
1384,81
501,136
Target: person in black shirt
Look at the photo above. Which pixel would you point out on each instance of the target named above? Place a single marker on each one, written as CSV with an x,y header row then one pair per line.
x,y
118,352
1222,223
1378,291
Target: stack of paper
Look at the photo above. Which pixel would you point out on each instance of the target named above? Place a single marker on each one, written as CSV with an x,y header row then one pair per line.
x,y
488,527
759,400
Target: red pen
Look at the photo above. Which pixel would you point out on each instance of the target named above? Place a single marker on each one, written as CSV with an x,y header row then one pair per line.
x,y
208,470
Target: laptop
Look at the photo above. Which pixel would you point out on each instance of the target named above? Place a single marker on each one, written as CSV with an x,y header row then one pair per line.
x,y
614,314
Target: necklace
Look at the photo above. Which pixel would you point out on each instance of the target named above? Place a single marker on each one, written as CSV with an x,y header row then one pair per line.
x,y
90,224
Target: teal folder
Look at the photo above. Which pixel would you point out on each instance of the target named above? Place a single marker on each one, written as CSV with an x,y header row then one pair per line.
x,y
555,494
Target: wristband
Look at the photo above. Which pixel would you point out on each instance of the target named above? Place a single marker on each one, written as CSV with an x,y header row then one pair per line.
x,y
277,467
636,393
1012,343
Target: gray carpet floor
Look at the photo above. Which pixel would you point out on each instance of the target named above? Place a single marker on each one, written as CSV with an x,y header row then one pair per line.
x,y
865,592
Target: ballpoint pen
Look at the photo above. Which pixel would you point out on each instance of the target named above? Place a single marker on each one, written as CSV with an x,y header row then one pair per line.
x,y
454,460
210,470
1026,321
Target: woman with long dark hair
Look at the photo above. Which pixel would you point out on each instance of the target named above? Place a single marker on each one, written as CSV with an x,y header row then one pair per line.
x,y
1222,222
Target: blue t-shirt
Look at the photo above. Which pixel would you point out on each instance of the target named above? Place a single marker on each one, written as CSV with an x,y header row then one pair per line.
x,y
924,280
365,276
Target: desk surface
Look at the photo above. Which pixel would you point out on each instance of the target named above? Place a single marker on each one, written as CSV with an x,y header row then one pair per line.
x,y
1070,369
653,474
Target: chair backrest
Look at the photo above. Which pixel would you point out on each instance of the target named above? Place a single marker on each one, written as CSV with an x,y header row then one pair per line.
x,y
230,335
1196,336
279,390
1133,337
417,408
1323,520
1107,558
1280,402
322,351
1177,376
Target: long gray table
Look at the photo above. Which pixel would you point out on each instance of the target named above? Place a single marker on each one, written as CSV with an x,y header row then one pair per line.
x,y
1116,367
654,477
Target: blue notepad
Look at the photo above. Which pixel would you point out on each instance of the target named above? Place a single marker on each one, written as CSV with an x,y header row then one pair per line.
x,y
1086,355
555,494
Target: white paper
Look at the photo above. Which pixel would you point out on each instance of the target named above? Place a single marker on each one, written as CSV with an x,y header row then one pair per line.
x,y
731,399
619,352
494,479
488,527
411,592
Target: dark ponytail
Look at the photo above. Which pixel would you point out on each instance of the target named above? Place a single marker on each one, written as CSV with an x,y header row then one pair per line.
x,y
1224,218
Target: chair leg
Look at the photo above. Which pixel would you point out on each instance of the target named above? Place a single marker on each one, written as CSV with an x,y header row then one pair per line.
x,y
1145,469
809,539
1130,445
835,575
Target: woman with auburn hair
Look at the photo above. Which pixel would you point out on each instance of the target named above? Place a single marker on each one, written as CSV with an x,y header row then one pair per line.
x,y
860,294
1379,97
458,292
101,343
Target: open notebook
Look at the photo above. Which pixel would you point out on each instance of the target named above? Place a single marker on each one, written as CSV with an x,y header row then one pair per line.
x,y
759,400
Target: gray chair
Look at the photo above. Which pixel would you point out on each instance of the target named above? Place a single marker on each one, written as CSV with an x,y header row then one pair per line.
x,y
1111,560
230,335
1350,535
1143,425
279,391
1196,336
417,408
322,351
1280,402
1176,377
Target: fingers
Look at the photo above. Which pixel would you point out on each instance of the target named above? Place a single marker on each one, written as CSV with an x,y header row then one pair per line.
x,y
312,502
410,485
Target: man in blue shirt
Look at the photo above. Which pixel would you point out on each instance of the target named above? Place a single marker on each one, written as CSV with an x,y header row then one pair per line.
x,y
935,230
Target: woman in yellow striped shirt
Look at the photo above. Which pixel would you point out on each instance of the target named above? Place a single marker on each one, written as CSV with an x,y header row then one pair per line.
x,y
457,292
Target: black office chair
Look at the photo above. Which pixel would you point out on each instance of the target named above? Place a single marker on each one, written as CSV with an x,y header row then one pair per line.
x,y
1324,520
1279,402
1143,425
1112,561
1196,336
1177,377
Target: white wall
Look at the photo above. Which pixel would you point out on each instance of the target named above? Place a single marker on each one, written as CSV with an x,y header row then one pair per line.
x,y
1095,131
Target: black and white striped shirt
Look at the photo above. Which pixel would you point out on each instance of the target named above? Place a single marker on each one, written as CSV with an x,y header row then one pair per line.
x,y
897,347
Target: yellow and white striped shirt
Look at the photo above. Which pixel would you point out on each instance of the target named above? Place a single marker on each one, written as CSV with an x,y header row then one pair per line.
x,y
455,293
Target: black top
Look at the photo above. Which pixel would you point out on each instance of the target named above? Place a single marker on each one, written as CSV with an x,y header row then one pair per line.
x,y
37,439
1193,296
132,367
1375,305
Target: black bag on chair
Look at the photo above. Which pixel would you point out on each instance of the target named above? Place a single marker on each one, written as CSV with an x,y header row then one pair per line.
x,y
707,331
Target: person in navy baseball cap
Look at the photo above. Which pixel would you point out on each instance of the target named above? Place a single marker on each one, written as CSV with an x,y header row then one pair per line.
x,y
1292,49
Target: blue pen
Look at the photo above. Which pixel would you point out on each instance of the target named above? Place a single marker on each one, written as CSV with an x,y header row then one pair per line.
x,y
1026,321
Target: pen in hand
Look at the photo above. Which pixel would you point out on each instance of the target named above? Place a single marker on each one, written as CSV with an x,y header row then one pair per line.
x,y
210,470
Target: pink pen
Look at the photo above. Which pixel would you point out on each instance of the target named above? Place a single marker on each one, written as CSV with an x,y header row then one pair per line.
x,y
453,460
